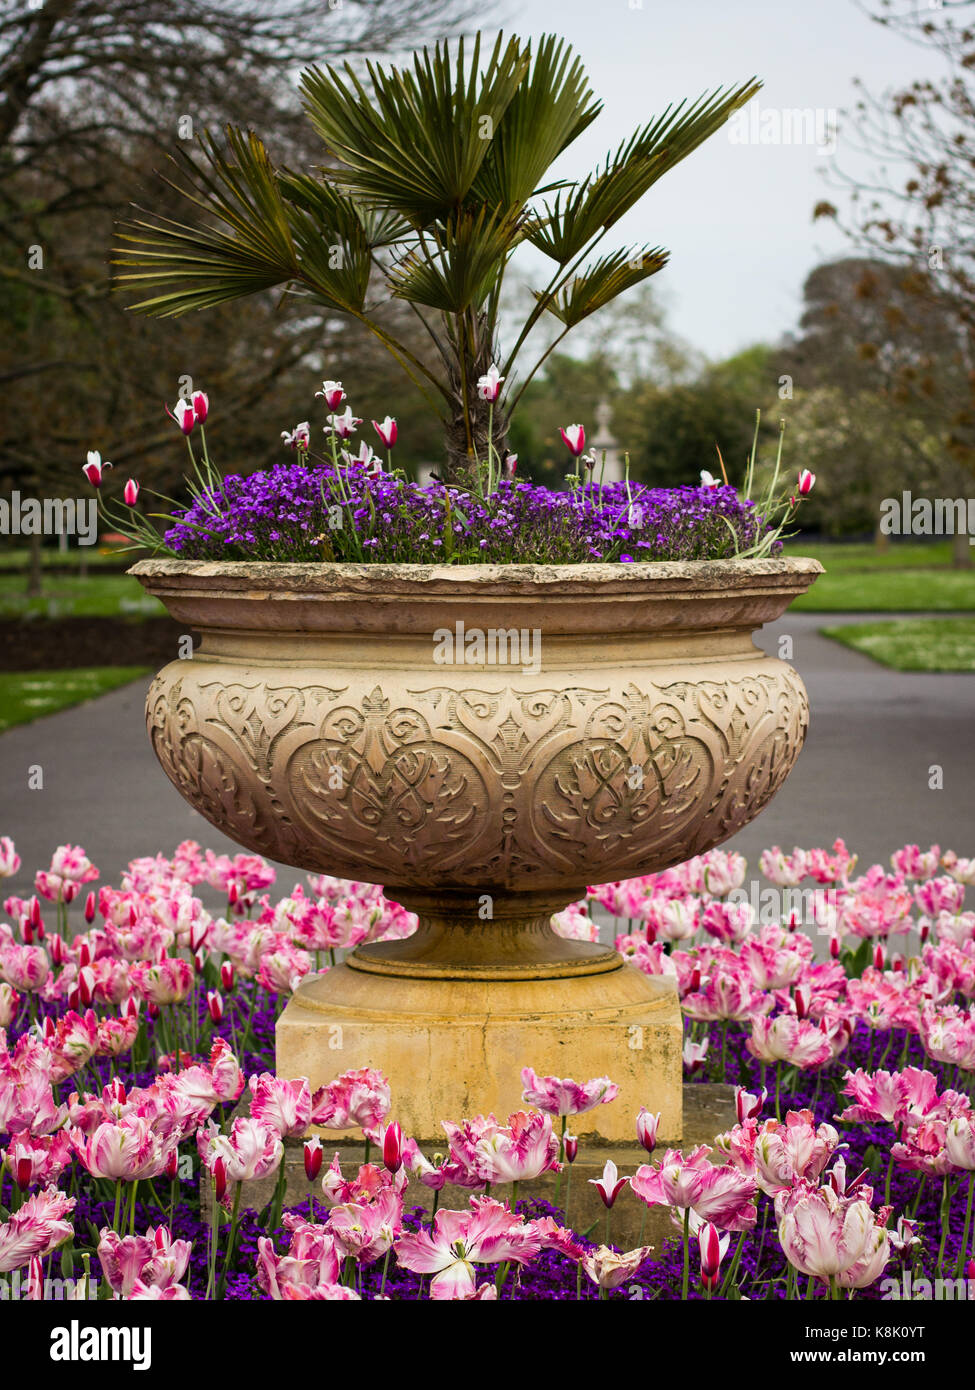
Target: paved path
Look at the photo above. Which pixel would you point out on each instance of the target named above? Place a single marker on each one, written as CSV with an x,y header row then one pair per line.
x,y
863,773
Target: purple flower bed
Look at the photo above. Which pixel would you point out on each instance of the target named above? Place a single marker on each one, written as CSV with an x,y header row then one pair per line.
x,y
308,512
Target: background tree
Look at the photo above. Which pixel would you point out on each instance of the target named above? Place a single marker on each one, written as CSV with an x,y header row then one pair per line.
x,y
880,353
93,98
917,208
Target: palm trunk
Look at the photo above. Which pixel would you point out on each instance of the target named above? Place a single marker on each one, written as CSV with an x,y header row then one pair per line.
x,y
460,466
466,437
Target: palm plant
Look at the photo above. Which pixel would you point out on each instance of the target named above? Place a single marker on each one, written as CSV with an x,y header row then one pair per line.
x,y
433,176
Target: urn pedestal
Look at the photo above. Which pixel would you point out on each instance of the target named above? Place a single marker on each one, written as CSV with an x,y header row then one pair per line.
x,y
582,724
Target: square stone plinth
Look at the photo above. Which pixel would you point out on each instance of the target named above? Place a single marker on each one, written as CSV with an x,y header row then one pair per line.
x,y
455,1048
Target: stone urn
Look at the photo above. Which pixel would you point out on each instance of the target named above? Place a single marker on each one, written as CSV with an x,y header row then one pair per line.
x,y
485,742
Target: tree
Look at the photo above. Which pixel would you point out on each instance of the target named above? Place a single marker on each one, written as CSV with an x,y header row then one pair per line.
x,y
432,180
881,355
917,209
93,98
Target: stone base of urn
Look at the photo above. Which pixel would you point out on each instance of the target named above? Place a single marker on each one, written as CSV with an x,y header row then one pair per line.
x,y
452,1040
708,1110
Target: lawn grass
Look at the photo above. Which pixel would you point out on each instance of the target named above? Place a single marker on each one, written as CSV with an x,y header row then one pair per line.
x,y
29,695
912,644
906,578
70,596
17,557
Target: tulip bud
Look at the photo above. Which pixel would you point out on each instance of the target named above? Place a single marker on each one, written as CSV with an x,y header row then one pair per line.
x,y
152,1010
184,415
834,947
24,1172
313,1158
878,956
387,430
925,931
199,931
571,1146
227,974
747,1105
56,949
70,890
574,438
131,1007
694,980
712,1247
50,1031
199,962
201,406
116,1090
970,1270
35,913
131,492
646,1129
332,394
74,999
84,953
172,1164
393,1147
215,1005
27,931
90,908
806,482
86,985
233,893
219,1179
802,997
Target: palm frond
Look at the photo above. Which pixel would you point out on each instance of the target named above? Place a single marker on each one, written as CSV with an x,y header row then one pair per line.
x,y
577,215
602,282
416,141
458,272
380,227
261,240
551,107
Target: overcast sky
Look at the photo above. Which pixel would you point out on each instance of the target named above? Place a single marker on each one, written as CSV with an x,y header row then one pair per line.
x,y
736,217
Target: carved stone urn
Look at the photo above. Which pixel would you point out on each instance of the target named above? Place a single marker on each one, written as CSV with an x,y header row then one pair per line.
x,y
484,741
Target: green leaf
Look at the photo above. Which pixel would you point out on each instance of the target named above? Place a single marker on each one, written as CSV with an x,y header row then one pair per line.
x,y
415,143
601,199
602,282
462,265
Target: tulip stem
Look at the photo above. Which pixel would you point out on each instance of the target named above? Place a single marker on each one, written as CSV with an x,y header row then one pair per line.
x,y
945,1211
963,1250
778,1086
382,1286
118,1205
732,1269
214,1230
135,1185
687,1254
433,1209
231,1241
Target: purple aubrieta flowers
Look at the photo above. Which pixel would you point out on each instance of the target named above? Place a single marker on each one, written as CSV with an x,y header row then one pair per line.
x,y
306,512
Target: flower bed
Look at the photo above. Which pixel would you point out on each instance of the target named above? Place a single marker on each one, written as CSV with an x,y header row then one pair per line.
x,y
130,1035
